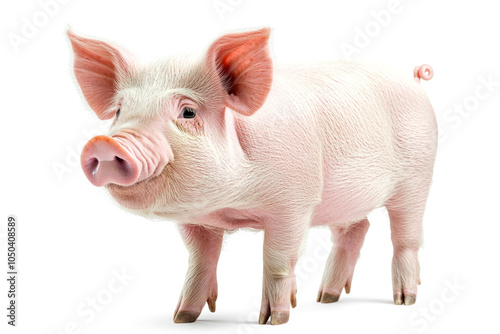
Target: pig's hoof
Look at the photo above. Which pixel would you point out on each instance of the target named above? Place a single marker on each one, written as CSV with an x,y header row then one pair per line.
x,y
325,298
293,300
334,287
211,303
264,317
278,318
402,299
185,317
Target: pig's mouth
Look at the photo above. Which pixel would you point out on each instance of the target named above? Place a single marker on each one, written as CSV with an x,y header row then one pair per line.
x,y
139,196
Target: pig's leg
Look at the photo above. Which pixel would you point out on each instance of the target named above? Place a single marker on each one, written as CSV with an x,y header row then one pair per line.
x,y
282,242
347,242
406,213
200,287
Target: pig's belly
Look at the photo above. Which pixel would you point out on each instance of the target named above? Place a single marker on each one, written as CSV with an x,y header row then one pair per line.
x,y
331,211
343,210
346,201
347,198
335,209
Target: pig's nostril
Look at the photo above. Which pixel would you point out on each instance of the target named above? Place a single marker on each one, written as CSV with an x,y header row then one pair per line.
x,y
121,163
93,165
123,166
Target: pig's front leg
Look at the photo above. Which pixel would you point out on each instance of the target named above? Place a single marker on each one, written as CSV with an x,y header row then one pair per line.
x,y
282,241
200,287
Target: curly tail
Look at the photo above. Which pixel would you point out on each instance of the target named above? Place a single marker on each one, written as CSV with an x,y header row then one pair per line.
x,y
423,72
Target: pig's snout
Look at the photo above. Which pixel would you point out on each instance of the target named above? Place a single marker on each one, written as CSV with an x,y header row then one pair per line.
x,y
105,161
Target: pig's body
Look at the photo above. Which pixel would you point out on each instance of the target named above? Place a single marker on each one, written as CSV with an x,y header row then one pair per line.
x,y
358,130
226,142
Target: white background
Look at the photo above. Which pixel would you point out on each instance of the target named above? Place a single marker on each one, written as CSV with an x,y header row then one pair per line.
x,y
72,235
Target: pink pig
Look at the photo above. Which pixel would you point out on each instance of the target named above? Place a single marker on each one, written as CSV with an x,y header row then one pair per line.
x,y
227,141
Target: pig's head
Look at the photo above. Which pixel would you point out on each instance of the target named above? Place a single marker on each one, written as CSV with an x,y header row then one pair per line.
x,y
173,147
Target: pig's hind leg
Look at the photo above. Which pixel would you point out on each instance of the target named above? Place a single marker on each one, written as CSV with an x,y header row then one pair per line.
x,y
406,210
200,287
347,242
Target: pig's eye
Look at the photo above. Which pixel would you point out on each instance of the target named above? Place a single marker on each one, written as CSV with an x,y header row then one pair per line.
x,y
117,113
188,113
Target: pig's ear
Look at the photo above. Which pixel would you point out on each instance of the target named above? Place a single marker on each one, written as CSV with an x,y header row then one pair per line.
x,y
97,67
245,68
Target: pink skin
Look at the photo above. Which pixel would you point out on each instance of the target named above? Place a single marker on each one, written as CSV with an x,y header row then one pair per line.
x,y
277,149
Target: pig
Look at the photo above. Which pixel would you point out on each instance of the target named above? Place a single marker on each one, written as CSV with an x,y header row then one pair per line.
x,y
227,140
